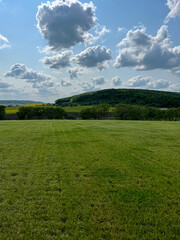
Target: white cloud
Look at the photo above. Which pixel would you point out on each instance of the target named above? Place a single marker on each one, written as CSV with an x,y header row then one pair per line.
x,y
145,52
148,82
75,71
20,71
87,87
121,29
65,23
44,84
174,6
138,81
160,84
4,43
100,31
98,80
65,83
97,56
58,61
116,81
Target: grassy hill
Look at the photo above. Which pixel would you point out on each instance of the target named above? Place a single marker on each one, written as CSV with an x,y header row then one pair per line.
x,y
125,96
89,180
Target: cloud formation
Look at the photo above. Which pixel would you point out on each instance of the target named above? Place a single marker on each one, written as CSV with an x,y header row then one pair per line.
x,y
20,71
65,83
42,83
4,43
116,81
148,82
87,87
174,6
99,31
145,52
98,80
97,56
65,23
58,61
75,71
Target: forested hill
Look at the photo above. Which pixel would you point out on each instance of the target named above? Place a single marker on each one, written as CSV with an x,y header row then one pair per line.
x,y
125,96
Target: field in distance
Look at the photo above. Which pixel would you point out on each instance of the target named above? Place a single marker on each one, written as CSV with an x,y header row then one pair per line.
x,y
89,180
14,109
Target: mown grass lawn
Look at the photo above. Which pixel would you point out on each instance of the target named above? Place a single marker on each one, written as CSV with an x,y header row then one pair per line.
x,y
89,180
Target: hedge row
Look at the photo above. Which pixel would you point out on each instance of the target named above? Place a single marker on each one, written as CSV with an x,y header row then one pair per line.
x,y
130,112
41,113
96,112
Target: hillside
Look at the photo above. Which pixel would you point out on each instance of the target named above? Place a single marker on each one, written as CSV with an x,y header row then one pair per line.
x,y
125,96
16,102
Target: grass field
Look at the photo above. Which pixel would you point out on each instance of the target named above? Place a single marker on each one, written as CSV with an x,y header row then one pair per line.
x,y
14,109
89,180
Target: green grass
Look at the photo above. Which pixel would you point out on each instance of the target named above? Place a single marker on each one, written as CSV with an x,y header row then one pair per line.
x,y
89,180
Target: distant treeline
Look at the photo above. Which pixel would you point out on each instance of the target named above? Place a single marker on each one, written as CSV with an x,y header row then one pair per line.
x,y
151,98
95,112
131,112
41,113
2,112
120,112
17,102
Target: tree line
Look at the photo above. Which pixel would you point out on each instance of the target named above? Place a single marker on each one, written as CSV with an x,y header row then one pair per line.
x,y
41,113
120,112
131,112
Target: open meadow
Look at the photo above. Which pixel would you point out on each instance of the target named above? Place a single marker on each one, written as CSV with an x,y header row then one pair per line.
x,y
89,180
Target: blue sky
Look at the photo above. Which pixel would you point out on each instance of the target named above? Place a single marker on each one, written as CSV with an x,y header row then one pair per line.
x,y
55,49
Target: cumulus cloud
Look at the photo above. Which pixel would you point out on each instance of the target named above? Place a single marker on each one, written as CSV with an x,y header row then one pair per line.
x,y
44,84
20,71
99,31
4,43
148,82
88,87
65,23
97,56
174,6
138,81
75,71
116,81
58,61
145,52
65,83
98,80
160,84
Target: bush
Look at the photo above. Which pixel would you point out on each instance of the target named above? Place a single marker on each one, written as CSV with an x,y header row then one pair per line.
x,y
41,113
87,113
96,112
2,112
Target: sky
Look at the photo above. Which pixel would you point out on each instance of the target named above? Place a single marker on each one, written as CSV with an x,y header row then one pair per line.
x,y
56,49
